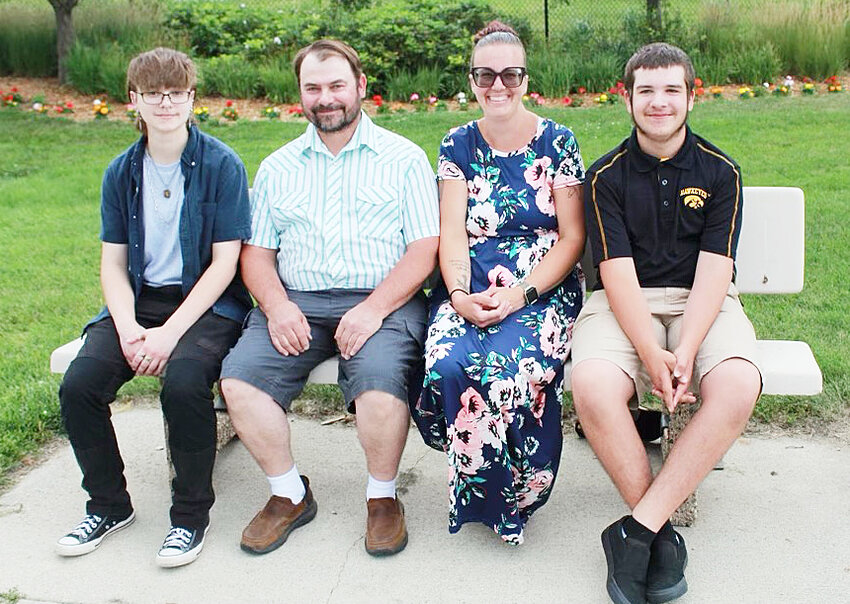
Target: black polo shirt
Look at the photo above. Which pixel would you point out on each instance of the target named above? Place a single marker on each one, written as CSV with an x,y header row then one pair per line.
x,y
663,213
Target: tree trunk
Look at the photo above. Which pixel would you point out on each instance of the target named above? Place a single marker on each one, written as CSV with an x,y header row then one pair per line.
x,y
64,34
653,15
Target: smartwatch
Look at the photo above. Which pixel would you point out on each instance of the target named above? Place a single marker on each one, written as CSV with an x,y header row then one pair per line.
x,y
529,292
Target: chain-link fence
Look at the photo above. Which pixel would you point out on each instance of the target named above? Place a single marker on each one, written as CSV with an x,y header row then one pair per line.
x,y
549,19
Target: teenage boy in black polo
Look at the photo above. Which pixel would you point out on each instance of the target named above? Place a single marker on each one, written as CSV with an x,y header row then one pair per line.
x,y
663,216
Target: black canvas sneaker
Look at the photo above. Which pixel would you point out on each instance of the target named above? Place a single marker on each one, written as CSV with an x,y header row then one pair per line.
x,y
628,560
665,580
181,546
88,534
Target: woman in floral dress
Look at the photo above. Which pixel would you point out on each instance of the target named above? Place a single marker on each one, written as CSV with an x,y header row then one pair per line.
x,y
511,232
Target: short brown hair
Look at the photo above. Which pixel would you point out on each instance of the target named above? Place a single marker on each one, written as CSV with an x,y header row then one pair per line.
x,y
325,48
655,56
496,32
161,68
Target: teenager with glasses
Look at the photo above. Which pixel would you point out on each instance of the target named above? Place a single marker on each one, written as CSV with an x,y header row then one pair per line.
x,y
174,209
511,233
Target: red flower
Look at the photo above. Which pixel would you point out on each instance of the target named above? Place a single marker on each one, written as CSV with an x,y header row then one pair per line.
x,y
567,101
620,85
612,90
582,89
15,88
295,109
69,105
700,91
59,109
228,103
698,82
378,100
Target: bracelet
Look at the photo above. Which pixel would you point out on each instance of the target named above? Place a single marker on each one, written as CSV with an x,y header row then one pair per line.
x,y
457,289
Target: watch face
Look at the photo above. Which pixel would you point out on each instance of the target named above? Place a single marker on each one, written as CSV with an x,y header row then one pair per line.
x,y
530,294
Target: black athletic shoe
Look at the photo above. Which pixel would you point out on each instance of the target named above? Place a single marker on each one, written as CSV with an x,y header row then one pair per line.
x,y
88,534
628,560
665,580
181,546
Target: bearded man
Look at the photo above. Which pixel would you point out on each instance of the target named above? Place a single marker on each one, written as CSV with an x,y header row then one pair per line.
x,y
663,214
345,231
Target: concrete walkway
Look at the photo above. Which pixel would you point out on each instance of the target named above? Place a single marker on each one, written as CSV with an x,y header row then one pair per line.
x,y
773,527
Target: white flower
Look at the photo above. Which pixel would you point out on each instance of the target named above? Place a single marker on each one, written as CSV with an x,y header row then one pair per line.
x,y
277,40
482,220
479,188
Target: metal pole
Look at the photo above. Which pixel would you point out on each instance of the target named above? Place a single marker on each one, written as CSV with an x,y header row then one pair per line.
x,y
546,18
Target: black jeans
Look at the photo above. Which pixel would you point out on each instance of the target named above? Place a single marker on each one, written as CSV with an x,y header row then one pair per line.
x,y
100,369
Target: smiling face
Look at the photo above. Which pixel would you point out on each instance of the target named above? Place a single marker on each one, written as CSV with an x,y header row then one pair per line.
x,y
499,101
659,103
166,117
330,94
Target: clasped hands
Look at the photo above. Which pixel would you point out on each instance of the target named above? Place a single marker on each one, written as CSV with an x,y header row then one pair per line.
x,y
488,307
671,373
290,332
147,350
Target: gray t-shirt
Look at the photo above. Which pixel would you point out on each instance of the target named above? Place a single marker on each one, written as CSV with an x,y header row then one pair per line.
x,y
162,200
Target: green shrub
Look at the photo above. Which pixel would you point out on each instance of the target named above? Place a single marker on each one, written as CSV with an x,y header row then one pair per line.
x,y
811,40
550,71
228,75
98,70
27,40
277,81
425,81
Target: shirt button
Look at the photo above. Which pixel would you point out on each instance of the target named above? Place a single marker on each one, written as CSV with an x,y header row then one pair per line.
x,y
666,203
664,181
134,217
193,163
137,245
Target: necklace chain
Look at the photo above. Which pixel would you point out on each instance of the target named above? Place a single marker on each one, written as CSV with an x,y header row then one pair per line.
x,y
167,215
166,186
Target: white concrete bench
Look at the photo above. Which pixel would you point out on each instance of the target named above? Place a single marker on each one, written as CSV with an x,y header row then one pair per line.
x,y
770,260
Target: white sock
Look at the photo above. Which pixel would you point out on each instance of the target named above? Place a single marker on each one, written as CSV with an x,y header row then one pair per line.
x,y
288,485
380,488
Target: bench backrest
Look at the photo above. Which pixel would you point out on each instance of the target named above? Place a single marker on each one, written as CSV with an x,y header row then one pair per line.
x,y
771,248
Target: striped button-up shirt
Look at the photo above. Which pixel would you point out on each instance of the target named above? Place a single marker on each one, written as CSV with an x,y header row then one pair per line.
x,y
343,221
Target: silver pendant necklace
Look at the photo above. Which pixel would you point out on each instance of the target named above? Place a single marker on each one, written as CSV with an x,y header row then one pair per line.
x,y
166,186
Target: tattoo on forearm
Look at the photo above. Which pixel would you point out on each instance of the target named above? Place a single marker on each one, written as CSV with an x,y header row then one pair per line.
x,y
462,276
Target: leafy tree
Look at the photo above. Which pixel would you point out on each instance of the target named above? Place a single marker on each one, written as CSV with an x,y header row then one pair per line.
x,y
64,33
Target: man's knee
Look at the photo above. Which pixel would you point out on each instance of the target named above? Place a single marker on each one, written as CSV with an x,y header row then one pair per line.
x,y
735,385
598,385
379,404
239,395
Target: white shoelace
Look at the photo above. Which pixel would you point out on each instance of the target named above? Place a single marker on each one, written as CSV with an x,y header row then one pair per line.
x,y
177,538
85,528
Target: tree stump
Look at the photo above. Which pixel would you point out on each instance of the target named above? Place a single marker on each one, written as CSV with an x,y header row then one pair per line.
x,y
686,514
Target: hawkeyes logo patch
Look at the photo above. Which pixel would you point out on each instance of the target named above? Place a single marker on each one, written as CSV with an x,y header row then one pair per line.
x,y
693,197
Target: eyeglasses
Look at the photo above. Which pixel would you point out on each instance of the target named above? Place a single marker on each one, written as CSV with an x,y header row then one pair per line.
x,y
511,77
177,97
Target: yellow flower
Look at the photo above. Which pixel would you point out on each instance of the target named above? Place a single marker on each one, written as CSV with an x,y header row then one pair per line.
x,y
104,110
603,98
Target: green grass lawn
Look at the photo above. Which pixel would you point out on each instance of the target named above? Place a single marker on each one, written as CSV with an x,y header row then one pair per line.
x,y
50,173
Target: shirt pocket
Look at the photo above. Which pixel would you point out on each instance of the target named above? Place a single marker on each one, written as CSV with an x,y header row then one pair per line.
x,y
291,208
378,213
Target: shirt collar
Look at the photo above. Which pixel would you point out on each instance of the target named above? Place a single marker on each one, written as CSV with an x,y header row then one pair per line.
x,y
365,135
643,162
188,155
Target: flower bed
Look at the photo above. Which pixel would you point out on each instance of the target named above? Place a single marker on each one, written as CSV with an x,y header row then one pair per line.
x,y
45,96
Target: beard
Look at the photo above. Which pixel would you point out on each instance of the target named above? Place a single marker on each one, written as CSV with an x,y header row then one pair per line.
x,y
332,123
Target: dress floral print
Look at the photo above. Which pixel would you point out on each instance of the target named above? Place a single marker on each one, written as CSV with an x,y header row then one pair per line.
x,y
491,397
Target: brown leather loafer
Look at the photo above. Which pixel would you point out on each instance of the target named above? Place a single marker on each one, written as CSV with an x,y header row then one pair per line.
x,y
386,533
271,526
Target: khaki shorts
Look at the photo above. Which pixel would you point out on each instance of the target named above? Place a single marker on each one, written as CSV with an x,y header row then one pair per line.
x,y
597,334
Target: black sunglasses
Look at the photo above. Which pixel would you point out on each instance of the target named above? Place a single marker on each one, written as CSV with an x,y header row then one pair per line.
x,y
511,77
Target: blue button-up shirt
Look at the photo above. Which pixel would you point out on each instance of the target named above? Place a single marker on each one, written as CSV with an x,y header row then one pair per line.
x,y
215,208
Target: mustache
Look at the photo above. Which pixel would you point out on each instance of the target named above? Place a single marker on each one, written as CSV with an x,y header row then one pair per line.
x,y
331,107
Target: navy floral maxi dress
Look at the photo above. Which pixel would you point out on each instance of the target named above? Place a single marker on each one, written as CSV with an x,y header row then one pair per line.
x,y
491,397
